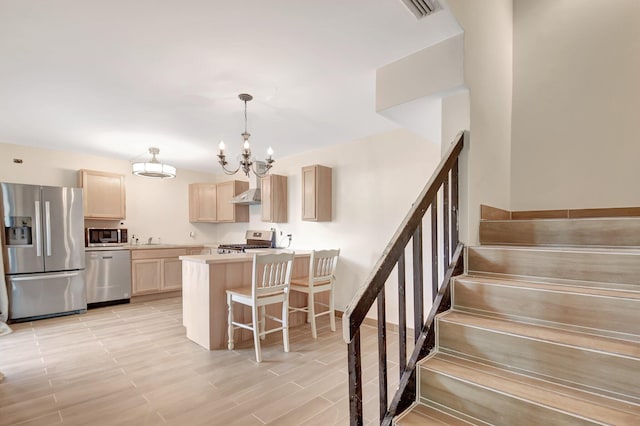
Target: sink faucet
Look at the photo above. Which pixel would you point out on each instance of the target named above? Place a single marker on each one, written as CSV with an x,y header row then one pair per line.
x,y
149,240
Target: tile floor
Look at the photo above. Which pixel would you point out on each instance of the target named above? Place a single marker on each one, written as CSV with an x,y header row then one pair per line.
x,y
133,365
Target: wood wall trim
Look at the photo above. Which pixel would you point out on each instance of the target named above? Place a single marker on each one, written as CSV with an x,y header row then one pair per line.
x,y
155,296
493,213
540,214
612,212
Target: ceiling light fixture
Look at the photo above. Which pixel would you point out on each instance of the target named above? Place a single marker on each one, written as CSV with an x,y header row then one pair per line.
x,y
246,163
154,168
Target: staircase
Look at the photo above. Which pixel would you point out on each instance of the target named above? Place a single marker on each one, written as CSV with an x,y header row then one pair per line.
x,y
544,328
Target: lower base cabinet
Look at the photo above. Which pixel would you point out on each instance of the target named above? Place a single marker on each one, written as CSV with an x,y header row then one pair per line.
x,y
156,270
172,274
146,275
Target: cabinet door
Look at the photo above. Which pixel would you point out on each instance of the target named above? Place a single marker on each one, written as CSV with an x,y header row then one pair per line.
x,y
274,198
225,210
146,276
172,274
309,193
103,194
265,193
202,202
316,193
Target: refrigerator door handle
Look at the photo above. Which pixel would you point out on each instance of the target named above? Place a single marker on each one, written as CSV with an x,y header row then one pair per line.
x,y
38,230
44,277
47,225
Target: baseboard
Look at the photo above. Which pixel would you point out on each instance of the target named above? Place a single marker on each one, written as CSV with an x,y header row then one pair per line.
x,y
494,213
156,296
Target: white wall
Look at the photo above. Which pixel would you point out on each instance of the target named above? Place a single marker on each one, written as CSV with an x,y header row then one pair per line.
x,y
432,70
155,207
576,100
488,35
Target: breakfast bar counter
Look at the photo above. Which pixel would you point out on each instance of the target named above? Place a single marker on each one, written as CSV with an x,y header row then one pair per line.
x,y
205,280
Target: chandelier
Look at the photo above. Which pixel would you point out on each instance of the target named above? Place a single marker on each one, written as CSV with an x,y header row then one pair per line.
x,y
247,163
153,168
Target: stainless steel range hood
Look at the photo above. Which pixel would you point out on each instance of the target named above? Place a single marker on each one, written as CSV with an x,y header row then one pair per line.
x,y
252,195
248,197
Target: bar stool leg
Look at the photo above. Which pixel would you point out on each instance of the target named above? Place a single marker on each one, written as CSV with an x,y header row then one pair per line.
x,y
230,322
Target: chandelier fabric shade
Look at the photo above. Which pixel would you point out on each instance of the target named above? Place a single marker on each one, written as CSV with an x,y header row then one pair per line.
x,y
247,162
154,168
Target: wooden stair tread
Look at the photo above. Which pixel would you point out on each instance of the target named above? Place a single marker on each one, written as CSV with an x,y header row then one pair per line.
x,y
540,392
631,251
591,232
550,334
421,414
628,219
590,308
555,281
601,265
580,287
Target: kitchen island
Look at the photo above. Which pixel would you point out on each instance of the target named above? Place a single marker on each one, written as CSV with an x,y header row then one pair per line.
x,y
205,280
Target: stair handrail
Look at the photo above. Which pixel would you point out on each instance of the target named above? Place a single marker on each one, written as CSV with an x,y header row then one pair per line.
x,y
410,229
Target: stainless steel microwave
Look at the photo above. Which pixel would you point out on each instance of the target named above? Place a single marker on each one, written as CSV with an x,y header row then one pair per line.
x,y
100,237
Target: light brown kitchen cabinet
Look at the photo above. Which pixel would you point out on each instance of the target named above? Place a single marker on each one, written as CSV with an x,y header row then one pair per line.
x,y
210,202
156,270
202,202
146,275
172,275
103,194
316,193
198,250
228,212
274,198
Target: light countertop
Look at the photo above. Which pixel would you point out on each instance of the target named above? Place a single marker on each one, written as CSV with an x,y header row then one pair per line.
x,y
159,246
238,257
146,246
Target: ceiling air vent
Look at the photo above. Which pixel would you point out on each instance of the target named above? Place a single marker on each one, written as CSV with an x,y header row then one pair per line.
x,y
421,8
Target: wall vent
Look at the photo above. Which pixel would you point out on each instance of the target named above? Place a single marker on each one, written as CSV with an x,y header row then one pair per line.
x,y
421,8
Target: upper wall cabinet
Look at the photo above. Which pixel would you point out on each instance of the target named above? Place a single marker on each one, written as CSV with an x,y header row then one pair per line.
x,y
210,202
316,193
202,202
225,210
274,198
103,195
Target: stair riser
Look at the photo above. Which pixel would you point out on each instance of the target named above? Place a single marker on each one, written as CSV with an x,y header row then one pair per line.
x,y
485,404
420,414
619,232
581,310
612,373
623,268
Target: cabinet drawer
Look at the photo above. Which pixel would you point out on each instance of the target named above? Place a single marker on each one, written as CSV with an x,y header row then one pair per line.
x,y
158,253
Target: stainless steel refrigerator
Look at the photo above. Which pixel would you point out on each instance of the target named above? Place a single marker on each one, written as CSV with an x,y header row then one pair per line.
x,y
43,250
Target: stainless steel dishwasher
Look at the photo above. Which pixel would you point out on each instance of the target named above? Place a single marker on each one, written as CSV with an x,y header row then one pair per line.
x,y
108,276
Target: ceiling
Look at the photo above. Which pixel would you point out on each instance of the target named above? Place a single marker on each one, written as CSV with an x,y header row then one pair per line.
x,y
114,77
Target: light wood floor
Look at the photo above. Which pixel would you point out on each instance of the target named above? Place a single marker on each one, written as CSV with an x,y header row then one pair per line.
x,y
133,365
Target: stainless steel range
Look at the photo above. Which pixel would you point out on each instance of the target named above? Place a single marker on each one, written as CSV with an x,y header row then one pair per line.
x,y
254,240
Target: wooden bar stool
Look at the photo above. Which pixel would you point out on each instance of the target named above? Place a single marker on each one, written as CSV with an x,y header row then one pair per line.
x,y
322,267
270,280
